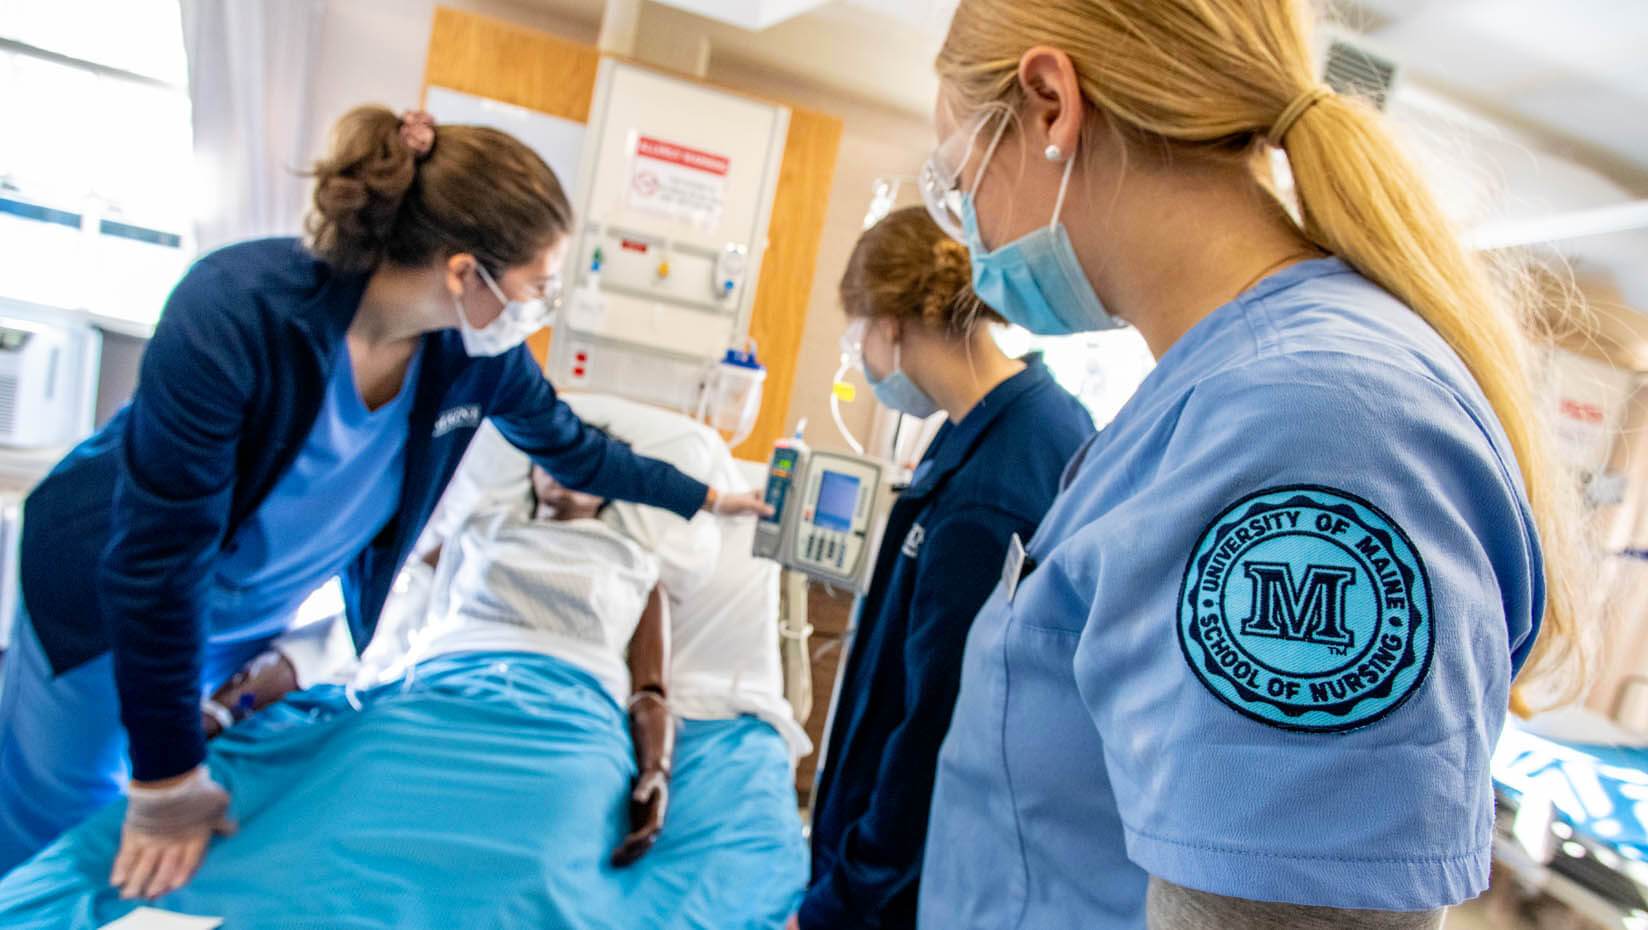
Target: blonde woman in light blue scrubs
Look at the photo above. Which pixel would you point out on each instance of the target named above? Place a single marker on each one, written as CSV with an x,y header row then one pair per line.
x,y
1250,670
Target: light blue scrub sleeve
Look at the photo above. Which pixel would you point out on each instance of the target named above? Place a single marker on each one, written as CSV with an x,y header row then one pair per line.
x,y
1299,656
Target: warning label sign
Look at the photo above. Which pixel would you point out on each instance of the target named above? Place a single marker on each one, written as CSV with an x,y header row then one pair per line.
x,y
679,182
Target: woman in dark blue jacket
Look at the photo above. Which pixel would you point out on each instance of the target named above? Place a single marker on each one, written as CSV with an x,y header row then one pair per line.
x,y
299,411
989,475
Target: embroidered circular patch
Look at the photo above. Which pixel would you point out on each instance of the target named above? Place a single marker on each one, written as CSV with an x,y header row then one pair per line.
x,y
1306,608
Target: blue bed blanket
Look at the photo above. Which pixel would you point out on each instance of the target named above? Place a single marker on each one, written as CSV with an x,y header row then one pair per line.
x,y
483,791
1602,791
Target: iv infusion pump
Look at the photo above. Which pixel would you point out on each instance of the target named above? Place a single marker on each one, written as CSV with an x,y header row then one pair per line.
x,y
828,513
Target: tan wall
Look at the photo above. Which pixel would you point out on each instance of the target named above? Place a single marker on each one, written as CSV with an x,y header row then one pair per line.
x,y
373,51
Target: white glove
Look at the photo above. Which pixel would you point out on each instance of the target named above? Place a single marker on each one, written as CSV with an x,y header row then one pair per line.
x,y
166,832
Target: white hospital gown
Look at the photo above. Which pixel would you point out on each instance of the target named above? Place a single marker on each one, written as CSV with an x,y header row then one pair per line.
x,y
572,590
724,658
723,601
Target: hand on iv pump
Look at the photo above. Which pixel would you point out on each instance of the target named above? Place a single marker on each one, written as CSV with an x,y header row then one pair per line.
x,y
742,504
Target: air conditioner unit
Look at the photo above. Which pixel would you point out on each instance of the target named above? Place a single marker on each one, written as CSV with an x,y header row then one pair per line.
x,y
48,375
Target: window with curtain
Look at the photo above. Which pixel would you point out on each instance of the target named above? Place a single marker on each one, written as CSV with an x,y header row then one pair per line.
x,y
96,157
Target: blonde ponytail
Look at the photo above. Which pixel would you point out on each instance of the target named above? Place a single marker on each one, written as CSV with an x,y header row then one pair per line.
x,y
1361,199
1217,78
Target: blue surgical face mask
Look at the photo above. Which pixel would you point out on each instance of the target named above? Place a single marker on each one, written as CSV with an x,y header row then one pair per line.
x,y
1034,281
898,392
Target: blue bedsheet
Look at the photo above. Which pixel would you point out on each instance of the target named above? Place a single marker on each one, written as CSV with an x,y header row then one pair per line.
x,y
1602,791
485,791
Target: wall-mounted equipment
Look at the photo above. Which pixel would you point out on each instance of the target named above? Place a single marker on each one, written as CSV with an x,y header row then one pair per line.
x,y
675,187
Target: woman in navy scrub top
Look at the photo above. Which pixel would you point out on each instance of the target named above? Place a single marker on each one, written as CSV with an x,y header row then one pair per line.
x,y
987,478
300,409
1252,669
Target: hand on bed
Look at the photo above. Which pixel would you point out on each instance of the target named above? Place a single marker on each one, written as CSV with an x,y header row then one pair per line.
x,y
647,804
165,834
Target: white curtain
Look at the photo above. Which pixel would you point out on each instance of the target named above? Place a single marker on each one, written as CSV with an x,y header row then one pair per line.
x,y
251,64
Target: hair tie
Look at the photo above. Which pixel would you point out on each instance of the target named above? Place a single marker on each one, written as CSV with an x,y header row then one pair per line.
x,y
1294,110
418,131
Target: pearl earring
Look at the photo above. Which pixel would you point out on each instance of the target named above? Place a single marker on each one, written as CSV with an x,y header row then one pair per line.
x,y
1053,153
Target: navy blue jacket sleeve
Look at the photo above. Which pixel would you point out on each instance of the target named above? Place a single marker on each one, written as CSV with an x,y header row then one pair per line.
x,y
880,855
579,456
171,508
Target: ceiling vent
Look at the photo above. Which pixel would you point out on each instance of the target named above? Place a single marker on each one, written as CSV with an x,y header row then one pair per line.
x,y
1351,67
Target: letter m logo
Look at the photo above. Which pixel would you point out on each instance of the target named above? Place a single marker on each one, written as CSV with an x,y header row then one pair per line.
x,y
1313,611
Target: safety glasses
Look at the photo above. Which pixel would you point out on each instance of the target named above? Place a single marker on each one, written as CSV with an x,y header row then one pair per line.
x,y
551,293
540,305
852,340
940,177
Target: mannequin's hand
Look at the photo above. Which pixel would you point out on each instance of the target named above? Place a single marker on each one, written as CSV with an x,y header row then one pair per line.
x,y
261,682
742,504
647,804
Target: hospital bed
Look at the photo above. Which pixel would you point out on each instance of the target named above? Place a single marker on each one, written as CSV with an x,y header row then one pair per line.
x,y
1572,791
474,790
485,791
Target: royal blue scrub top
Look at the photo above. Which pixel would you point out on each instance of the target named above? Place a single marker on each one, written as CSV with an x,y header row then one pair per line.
x,y
1263,642
981,481
337,495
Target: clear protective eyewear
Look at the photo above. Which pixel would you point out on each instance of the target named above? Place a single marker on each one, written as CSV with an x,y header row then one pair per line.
x,y
551,293
548,294
940,177
852,341
541,305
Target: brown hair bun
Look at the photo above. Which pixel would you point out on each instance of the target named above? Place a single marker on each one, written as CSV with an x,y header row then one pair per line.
x,y
477,190
906,267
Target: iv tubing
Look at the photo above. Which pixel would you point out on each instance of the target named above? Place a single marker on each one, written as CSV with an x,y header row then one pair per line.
x,y
835,407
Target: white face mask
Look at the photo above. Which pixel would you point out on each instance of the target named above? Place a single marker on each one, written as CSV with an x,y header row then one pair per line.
x,y
519,319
